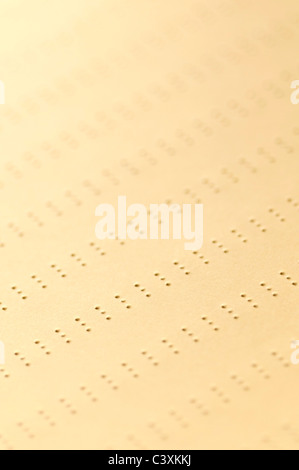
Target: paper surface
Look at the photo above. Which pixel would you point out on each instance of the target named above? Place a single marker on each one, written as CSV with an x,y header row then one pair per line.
x,y
163,102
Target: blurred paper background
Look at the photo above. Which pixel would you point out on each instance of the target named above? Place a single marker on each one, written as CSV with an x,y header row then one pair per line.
x,y
162,101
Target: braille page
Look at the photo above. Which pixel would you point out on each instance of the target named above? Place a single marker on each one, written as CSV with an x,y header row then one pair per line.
x,y
142,344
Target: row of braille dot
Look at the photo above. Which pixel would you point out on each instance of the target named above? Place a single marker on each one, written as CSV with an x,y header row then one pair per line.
x,y
130,370
30,158
178,418
170,345
39,281
22,358
122,300
103,312
157,430
19,292
204,128
211,185
210,322
258,225
47,418
73,198
288,278
282,143
78,259
269,289
69,140
16,229
162,278
133,170
68,406
190,334
265,153
260,370
58,270
142,289
194,402
184,137
181,267
83,324
230,175
280,359
88,130
109,381
221,395
240,382
149,357
221,118
13,170
230,311
193,195
35,219
237,107
239,235
97,248
249,300
89,394
146,156
247,165
43,347
293,202
92,187
220,245
3,371
205,261
136,443
111,177
277,214
50,150
54,208
26,430
62,335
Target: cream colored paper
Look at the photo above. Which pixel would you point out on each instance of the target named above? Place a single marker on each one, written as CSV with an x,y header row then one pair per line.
x,y
161,101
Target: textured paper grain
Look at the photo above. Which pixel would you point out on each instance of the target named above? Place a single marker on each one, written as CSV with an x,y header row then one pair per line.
x,y
161,101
